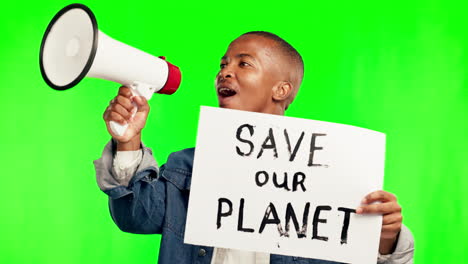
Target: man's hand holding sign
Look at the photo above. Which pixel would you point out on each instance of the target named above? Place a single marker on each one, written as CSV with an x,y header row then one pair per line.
x,y
385,203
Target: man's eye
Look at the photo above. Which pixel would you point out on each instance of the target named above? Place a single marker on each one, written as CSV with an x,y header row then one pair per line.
x,y
243,64
222,65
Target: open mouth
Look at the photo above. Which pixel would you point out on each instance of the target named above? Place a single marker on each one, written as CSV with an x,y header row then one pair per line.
x,y
226,92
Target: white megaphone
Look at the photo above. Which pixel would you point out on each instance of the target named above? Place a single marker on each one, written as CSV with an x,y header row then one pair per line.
x,y
73,48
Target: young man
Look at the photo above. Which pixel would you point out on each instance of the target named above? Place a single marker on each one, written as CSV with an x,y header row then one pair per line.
x,y
260,72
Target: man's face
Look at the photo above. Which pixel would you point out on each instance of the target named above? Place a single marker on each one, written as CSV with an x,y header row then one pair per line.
x,y
249,71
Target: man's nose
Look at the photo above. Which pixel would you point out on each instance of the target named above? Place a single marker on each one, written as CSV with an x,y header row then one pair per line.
x,y
226,72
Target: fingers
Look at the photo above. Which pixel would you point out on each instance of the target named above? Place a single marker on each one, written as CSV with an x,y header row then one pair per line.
x,y
391,225
125,91
381,196
141,103
379,202
120,108
116,112
390,231
125,102
113,116
126,98
379,208
384,203
392,218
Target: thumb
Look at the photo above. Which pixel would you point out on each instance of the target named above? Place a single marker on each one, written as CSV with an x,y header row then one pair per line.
x,y
141,103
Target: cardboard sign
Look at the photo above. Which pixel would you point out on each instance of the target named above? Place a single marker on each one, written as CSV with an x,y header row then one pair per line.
x,y
285,186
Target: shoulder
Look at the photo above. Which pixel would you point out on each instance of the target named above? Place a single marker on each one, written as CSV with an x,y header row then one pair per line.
x,y
178,168
181,160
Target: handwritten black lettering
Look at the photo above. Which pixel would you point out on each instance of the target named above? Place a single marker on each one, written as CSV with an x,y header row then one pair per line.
x,y
240,221
269,143
344,230
298,179
291,215
260,182
292,154
275,220
317,220
284,184
313,148
238,136
220,208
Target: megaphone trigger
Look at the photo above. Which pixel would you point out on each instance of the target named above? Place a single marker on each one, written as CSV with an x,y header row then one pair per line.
x,y
137,89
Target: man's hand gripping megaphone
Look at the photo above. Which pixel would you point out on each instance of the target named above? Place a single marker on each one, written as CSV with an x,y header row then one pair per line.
x,y
130,112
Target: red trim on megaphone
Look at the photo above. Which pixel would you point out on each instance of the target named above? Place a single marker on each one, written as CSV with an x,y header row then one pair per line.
x,y
173,79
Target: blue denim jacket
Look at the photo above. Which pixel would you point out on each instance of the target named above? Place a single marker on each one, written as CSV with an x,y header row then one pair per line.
x,y
155,202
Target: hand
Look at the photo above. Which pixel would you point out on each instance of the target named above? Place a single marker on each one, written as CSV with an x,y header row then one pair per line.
x,y
120,110
391,221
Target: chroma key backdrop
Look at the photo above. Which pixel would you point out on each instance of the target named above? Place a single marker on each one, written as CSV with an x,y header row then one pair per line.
x,y
398,67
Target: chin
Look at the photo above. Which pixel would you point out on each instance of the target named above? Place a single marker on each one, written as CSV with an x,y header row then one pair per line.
x,y
231,103
227,106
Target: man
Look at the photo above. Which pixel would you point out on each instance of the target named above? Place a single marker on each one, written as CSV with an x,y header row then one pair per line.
x,y
260,72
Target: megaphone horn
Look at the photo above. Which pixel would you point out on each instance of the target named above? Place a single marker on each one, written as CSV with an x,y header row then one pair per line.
x,y
73,48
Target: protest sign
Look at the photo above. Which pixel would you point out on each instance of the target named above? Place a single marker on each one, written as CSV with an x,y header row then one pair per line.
x,y
284,185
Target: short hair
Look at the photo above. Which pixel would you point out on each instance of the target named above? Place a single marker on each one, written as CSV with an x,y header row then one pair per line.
x,y
290,52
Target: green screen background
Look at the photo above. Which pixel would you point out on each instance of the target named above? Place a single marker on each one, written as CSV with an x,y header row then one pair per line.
x,y
398,67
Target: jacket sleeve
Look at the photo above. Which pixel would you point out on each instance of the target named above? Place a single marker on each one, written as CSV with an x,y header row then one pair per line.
x,y
139,206
404,250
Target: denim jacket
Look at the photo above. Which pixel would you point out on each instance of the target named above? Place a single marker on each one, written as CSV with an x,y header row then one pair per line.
x,y
155,202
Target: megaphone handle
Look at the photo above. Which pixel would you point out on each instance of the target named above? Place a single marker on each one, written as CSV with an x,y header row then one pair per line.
x,y
137,89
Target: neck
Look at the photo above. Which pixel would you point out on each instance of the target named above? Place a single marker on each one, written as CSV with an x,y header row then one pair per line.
x,y
275,109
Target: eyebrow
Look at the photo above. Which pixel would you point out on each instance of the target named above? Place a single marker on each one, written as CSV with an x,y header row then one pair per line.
x,y
241,55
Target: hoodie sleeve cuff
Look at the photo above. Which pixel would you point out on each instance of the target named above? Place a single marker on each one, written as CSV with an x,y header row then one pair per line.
x,y
404,249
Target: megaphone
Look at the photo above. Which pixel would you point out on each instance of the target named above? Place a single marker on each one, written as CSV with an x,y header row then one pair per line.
x,y
73,48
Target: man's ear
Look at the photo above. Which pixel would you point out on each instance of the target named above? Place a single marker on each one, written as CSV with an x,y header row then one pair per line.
x,y
282,90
